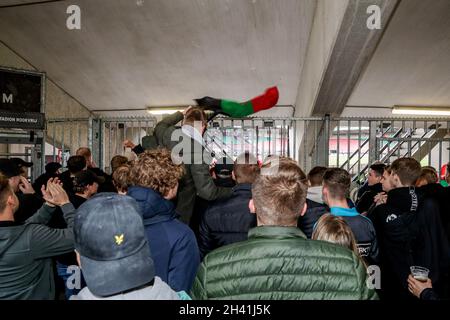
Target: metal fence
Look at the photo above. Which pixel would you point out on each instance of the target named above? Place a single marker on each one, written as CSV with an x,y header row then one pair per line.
x,y
259,136
356,143
350,143
114,131
65,136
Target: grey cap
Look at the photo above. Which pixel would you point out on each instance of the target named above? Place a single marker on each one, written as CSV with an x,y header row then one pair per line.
x,y
110,238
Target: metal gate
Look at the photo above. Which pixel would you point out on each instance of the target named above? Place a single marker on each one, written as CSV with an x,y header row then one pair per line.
x,y
114,131
355,143
350,143
65,136
25,145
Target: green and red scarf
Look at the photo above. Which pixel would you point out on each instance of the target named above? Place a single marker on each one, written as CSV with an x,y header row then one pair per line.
x,y
237,109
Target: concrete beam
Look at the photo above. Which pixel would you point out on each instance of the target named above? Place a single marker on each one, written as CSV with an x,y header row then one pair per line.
x,y
354,47
339,49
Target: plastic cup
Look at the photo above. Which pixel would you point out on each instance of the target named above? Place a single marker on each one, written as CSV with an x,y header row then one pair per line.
x,y
420,273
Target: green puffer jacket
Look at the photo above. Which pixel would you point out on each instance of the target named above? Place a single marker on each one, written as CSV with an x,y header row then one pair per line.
x,y
279,263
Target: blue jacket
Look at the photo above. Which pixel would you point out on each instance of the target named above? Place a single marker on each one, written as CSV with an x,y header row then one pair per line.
x,y
363,230
172,243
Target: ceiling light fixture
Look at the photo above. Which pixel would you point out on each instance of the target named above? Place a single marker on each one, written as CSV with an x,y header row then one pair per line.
x,y
421,111
165,110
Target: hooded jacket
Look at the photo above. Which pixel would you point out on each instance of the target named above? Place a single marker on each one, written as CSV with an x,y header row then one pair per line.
x,y
26,251
410,233
158,291
173,244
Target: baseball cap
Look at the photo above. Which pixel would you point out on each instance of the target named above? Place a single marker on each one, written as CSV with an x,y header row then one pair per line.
x,y
8,168
21,163
51,167
110,238
85,178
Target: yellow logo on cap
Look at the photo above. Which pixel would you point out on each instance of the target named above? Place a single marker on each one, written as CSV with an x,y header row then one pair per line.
x,y
119,239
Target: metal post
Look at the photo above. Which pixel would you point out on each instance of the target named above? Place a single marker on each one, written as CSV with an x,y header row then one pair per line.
x,y
359,147
373,148
348,145
326,141
54,141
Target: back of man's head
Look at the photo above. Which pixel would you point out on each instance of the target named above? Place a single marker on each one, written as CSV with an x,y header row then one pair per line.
x,y
118,161
407,170
156,170
337,181
121,178
245,168
84,151
76,164
279,196
194,116
315,176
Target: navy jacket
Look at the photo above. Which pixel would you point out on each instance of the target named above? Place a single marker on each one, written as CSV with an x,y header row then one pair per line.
x,y
227,220
363,230
173,245
313,213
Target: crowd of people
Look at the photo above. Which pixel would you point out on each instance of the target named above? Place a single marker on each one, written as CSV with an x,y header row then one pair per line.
x,y
158,228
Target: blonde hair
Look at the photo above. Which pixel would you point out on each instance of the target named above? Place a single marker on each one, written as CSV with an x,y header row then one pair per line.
x,y
280,196
121,178
335,230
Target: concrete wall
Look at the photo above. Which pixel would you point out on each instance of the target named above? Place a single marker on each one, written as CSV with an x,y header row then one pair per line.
x,y
58,104
327,21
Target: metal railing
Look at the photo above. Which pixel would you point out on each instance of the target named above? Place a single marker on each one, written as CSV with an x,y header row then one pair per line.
x,y
350,143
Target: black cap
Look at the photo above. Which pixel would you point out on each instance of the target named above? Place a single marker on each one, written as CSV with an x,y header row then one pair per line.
x,y
86,178
51,167
110,238
8,168
21,163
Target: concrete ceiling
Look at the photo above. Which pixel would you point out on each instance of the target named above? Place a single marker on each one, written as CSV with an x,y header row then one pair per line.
x,y
411,65
131,54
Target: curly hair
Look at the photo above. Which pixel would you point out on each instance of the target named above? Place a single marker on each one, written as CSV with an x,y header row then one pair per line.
x,y
155,169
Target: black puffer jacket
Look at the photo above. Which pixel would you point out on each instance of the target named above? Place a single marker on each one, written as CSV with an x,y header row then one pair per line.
x,y
227,221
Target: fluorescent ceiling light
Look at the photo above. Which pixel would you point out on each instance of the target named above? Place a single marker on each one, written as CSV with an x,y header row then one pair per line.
x,y
345,128
164,110
422,111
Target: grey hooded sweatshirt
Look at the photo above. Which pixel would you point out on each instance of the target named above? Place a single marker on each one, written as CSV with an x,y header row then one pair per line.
x,y
26,250
158,291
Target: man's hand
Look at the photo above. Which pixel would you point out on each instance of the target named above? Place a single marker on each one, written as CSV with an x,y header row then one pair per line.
x,y
25,186
380,198
416,287
186,110
54,194
129,144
